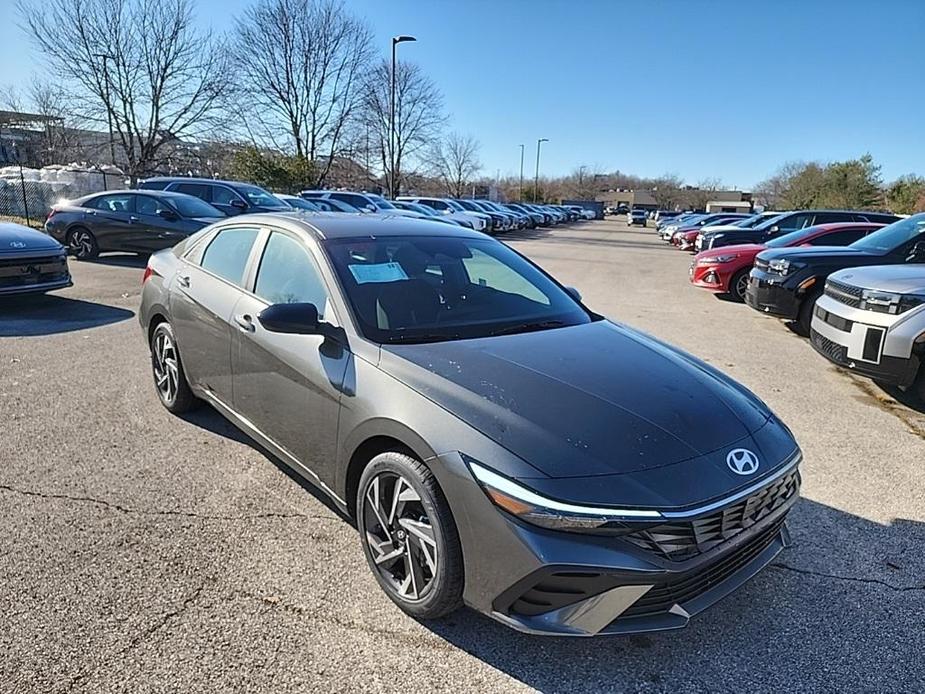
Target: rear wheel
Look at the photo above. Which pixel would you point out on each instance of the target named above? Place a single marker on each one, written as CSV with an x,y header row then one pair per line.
x,y
409,536
82,244
738,284
169,377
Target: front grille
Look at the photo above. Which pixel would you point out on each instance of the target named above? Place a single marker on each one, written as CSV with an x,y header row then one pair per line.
x,y
681,540
663,596
844,293
23,272
832,350
837,322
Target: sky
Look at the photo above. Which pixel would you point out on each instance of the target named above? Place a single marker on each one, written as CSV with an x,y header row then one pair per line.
x,y
697,88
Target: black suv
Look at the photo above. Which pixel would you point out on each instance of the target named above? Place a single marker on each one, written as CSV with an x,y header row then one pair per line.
x,y
786,282
787,222
231,197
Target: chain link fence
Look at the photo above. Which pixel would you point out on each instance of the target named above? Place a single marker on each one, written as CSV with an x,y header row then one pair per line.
x,y
27,195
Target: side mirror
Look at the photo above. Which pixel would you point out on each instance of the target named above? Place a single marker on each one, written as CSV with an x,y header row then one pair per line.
x,y
370,208
299,319
169,215
574,293
917,253
774,229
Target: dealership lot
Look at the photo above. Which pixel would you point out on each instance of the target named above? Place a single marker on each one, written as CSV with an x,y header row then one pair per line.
x,y
147,553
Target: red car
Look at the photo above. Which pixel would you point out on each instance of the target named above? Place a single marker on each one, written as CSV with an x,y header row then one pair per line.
x,y
725,270
685,238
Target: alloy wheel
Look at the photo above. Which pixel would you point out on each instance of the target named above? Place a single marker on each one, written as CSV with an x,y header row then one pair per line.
x,y
400,536
164,360
81,244
741,286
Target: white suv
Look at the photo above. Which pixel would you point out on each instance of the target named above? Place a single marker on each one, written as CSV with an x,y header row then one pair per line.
x,y
453,210
872,320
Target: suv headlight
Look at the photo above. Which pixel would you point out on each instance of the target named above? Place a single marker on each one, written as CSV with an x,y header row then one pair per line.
x,y
536,509
907,302
889,302
783,266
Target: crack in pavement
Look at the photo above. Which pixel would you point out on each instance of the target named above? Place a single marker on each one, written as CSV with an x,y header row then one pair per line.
x,y
854,579
158,512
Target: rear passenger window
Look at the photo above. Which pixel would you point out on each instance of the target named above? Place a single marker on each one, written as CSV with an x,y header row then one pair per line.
x,y
839,238
288,275
227,254
833,217
196,189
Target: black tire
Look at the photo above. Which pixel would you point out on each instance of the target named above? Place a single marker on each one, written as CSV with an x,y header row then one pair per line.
x,y
737,285
174,392
442,594
918,386
805,318
82,244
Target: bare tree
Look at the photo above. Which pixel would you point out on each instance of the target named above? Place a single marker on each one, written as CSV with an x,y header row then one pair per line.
x,y
455,161
702,193
666,190
300,64
418,114
142,66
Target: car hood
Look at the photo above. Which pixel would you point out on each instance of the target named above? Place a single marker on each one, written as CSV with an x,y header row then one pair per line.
x,y
741,249
902,279
587,400
206,220
15,238
819,253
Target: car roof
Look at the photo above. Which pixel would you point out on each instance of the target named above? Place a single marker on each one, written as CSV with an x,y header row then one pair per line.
x,y
326,226
168,194
194,179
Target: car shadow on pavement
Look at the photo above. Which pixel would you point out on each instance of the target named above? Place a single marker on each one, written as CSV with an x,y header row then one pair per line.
x,y
49,314
211,420
120,260
839,610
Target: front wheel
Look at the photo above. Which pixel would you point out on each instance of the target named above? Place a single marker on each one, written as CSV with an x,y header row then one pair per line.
x,y
409,536
82,244
805,317
738,284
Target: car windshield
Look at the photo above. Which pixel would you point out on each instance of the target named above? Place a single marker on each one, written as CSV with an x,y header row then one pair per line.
x,y
300,204
893,236
189,206
431,289
380,202
769,222
748,222
259,197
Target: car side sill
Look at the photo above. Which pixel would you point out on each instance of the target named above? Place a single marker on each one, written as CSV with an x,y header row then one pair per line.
x,y
251,430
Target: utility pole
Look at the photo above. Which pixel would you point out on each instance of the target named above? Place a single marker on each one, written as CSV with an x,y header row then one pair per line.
x,y
395,41
536,178
520,190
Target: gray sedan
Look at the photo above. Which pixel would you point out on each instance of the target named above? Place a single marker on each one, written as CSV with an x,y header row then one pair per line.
x,y
498,444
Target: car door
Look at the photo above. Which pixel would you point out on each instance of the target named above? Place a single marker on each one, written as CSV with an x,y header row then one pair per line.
x,y
288,385
227,200
159,225
111,220
202,300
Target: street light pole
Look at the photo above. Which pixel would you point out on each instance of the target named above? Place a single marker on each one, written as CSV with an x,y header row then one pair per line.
x,y
536,179
112,147
395,41
521,189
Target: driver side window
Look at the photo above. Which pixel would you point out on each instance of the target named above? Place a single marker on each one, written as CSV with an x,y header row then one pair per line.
x,y
288,274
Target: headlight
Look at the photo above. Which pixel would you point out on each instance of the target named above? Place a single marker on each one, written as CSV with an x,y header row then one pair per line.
x,y
548,513
888,302
783,266
718,259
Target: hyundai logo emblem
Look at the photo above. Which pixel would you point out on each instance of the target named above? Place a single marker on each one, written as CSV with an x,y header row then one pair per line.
x,y
742,461
17,244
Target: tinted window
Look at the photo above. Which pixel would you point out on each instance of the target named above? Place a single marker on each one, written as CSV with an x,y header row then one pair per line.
x,y
288,275
227,254
223,196
118,202
196,189
839,238
153,185
832,217
188,206
258,196
145,204
895,235
794,222
355,200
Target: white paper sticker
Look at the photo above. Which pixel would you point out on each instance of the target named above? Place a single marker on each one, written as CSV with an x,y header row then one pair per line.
x,y
378,272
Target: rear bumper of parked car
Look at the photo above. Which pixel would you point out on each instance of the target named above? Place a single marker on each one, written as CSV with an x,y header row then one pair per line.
x,y
876,345
769,294
543,581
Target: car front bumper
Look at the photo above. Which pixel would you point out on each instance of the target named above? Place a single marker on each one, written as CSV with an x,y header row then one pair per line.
x,y
549,582
769,294
711,277
877,345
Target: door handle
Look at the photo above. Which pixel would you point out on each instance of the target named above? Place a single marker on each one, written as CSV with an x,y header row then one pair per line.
x,y
183,280
132,219
245,323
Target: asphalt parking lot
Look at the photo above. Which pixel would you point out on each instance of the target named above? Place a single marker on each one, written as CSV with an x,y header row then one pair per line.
x,y
141,552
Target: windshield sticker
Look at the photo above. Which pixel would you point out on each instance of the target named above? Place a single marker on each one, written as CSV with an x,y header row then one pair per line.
x,y
378,272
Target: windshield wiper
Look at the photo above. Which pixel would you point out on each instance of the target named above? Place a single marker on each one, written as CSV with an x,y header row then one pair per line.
x,y
528,327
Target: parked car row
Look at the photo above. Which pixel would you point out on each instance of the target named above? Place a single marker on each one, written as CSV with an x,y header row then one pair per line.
x,y
851,281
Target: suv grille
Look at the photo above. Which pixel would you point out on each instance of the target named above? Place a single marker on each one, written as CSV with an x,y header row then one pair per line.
x,y
681,540
663,596
844,293
832,350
